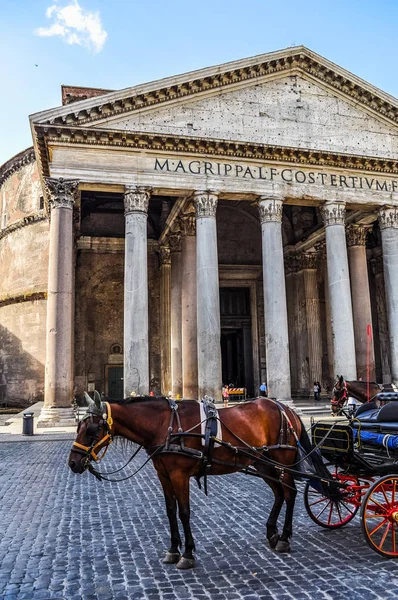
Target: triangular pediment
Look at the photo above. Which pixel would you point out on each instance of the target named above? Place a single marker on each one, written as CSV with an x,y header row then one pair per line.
x,y
292,98
287,110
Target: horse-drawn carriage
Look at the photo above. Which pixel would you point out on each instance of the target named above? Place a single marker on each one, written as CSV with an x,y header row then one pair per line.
x,y
362,453
343,467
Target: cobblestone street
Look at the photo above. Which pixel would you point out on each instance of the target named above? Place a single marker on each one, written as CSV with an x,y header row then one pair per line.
x,y
72,537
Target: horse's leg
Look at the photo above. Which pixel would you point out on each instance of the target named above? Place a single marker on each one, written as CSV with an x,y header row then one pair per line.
x,y
271,478
180,481
290,493
173,554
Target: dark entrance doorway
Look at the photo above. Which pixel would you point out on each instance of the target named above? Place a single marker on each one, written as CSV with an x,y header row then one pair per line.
x,y
236,338
115,383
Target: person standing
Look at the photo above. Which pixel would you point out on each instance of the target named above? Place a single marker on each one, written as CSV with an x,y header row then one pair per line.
x,y
315,389
263,390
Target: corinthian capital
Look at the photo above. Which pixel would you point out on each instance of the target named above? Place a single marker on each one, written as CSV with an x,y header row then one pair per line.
x,y
164,253
136,199
62,193
270,209
205,204
356,235
188,220
333,213
174,240
388,217
307,260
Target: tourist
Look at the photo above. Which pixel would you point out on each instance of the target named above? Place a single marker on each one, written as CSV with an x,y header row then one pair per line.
x,y
263,390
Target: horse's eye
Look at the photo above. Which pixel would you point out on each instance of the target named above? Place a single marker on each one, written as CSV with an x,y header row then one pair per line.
x,y
92,430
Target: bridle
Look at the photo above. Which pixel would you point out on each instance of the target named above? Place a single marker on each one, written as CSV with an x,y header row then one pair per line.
x,y
106,422
340,394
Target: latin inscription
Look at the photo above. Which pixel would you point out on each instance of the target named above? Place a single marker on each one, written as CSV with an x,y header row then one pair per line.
x,y
286,175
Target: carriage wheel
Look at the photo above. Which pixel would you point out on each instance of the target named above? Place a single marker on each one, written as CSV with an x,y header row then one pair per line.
x,y
379,516
333,514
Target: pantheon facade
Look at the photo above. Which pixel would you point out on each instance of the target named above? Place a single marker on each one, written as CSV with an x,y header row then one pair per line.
x,y
235,224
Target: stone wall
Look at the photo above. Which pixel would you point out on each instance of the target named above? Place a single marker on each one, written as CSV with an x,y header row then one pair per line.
x,y
24,231
99,312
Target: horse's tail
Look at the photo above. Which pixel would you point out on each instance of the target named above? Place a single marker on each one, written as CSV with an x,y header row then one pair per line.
x,y
327,483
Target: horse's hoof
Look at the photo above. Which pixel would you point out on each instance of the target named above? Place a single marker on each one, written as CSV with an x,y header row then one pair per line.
x,y
273,540
186,563
282,546
171,558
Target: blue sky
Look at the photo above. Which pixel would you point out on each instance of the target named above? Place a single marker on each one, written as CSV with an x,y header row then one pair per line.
x,y
118,43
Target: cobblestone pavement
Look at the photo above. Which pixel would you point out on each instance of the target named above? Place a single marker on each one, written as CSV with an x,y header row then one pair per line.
x,y
72,537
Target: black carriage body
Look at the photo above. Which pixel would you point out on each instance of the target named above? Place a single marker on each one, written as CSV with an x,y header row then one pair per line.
x,y
339,445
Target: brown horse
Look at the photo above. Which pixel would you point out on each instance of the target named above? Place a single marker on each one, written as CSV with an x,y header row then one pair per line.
x,y
356,389
258,429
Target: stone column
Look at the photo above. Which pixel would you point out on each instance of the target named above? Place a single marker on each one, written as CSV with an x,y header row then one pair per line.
x,y
339,290
290,280
136,356
361,306
208,297
308,264
58,391
384,341
188,305
176,340
275,309
165,349
388,219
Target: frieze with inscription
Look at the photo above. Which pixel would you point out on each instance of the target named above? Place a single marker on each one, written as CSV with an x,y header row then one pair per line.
x,y
274,174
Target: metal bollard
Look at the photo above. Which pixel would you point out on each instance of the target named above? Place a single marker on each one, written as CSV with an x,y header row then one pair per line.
x,y
27,423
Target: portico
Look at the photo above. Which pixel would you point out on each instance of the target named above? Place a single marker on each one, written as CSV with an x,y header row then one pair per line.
x,y
195,211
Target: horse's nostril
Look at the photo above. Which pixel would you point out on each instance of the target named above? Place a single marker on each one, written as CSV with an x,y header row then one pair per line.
x,y
72,464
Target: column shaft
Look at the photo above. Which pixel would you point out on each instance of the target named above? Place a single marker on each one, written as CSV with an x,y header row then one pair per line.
x,y
208,297
361,306
58,391
313,318
165,288
339,291
275,310
388,218
189,309
176,339
136,356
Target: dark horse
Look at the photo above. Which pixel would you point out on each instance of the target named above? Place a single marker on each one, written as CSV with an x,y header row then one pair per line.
x,y
356,389
260,428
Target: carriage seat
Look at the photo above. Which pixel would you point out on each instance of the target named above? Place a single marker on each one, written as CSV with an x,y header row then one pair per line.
x,y
387,396
384,418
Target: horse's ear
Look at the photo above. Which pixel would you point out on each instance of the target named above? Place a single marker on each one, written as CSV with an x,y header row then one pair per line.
x,y
341,379
97,399
88,399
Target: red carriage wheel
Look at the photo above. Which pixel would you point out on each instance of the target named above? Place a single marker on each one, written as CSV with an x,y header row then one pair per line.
x,y
379,516
333,514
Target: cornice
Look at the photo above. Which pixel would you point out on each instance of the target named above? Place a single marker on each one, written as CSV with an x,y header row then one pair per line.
x,y
46,136
288,61
15,163
28,220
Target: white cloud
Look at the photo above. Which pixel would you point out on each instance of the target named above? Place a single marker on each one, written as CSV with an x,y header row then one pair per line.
x,y
75,26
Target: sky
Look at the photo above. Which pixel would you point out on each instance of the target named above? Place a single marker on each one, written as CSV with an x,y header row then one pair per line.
x,y
114,44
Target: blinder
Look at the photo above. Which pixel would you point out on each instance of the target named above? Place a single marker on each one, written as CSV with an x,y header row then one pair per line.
x,y
93,432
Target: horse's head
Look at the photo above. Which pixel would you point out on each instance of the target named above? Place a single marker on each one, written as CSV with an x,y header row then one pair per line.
x,y
94,433
339,395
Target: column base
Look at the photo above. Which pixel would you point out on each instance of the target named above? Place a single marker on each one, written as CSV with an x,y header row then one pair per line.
x,y
56,417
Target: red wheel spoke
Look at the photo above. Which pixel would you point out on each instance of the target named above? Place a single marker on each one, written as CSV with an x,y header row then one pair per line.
x,y
330,512
384,494
394,541
393,492
338,510
378,526
323,509
318,501
347,508
383,539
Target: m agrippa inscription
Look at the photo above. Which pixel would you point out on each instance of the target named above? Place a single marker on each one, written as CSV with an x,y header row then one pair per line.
x,y
275,174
